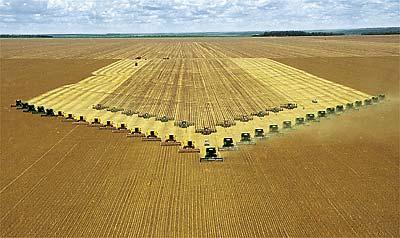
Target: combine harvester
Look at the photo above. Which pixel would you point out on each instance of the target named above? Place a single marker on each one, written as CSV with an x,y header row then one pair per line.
x,y
121,129
69,118
136,133
183,124
226,123
170,141
259,133
189,148
245,139
164,118
211,155
49,113
151,137
228,145
206,130
81,121
108,126
95,123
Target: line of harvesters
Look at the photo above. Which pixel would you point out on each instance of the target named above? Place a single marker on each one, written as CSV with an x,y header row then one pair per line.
x,y
211,151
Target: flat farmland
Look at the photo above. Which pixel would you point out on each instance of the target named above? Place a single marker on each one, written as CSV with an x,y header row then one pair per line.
x,y
338,177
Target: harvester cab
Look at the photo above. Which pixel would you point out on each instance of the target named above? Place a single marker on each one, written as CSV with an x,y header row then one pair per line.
x,y
136,133
259,133
358,103
245,139
375,99
189,148
211,155
151,137
381,96
228,145
171,141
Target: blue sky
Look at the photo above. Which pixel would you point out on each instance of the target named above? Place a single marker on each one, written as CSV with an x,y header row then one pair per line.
x,y
140,16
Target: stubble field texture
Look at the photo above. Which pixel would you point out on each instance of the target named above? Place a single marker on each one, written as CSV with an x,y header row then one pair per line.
x,y
338,177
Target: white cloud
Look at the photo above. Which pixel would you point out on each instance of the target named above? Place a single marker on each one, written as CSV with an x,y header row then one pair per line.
x,y
101,16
